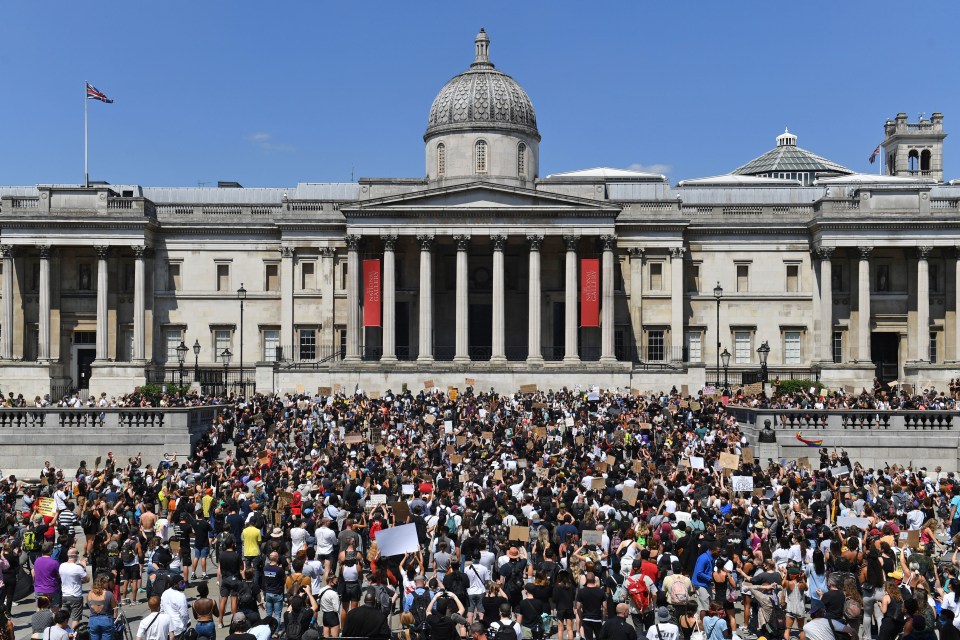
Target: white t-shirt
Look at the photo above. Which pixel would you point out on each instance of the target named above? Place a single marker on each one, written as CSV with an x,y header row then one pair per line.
x,y
668,631
158,629
479,577
71,579
298,539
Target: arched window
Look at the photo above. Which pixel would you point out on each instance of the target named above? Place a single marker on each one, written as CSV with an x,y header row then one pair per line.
x,y
441,159
522,160
913,161
480,156
925,160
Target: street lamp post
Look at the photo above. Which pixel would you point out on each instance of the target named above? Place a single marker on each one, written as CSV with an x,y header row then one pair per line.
x,y
181,356
225,356
241,296
196,361
763,350
718,293
725,356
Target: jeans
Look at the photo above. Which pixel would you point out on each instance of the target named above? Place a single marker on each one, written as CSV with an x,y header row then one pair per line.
x,y
274,603
101,628
206,630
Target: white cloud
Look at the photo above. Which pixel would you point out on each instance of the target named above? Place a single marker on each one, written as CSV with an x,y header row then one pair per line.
x,y
264,140
651,168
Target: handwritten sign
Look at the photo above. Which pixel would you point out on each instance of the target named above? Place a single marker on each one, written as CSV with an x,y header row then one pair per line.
x,y
470,382
520,534
428,385
592,537
851,521
729,461
353,438
528,388
401,511
696,462
324,391
747,455
46,507
598,483
742,484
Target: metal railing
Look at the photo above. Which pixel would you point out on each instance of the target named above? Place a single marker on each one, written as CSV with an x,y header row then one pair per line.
x,y
212,379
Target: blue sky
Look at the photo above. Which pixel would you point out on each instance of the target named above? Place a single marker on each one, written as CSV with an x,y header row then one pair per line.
x,y
275,93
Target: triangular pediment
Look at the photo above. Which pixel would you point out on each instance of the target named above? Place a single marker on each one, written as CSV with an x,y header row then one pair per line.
x,y
481,196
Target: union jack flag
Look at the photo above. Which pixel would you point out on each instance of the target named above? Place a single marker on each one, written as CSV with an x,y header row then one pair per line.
x,y
95,94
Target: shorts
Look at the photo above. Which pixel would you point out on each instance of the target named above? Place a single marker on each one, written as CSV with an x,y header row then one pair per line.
x,y
351,591
132,572
201,553
331,619
230,586
564,614
74,605
475,602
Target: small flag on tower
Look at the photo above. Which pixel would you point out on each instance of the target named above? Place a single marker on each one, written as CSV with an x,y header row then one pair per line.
x,y
873,156
95,94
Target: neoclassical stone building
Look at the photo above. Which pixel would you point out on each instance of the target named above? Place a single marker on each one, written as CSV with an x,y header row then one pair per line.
x,y
483,272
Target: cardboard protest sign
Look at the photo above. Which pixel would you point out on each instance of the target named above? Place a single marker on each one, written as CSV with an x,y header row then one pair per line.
x,y
635,392
429,418
528,388
611,460
696,462
395,541
579,440
461,440
910,538
729,461
324,391
747,455
428,385
517,534
487,435
46,507
299,389
598,483
684,391
742,484
753,389
464,477
841,471
401,511
539,433
353,438
96,463
592,537
539,405
630,495
498,475
851,521
455,458
470,382
601,466
803,462
695,406
522,463
637,466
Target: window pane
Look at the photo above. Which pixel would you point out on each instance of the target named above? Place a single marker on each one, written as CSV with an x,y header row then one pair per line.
x,y
173,341
173,277
838,346
742,354
273,277
656,276
221,341
694,346
271,342
793,278
933,347
308,273
743,278
655,349
791,347
223,277
308,344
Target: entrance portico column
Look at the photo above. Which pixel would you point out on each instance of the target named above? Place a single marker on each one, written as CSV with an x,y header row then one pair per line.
x,y
389,300
863,306
461,343
534,355
826,304
498,351
139,304
922,339
353,298
103,310
607,353
425,353
6,320
570,354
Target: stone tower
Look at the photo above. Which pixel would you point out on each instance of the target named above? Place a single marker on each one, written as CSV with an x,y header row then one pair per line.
x,y
915,149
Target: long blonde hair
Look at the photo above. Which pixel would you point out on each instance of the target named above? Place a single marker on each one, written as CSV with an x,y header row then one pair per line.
x,y
100,586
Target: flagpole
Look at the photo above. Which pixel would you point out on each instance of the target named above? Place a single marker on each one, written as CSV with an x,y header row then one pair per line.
x,y
86,176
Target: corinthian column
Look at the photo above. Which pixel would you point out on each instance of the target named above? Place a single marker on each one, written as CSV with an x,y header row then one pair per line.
x,y
426,300
498,349
534,355
863,306
825,343
923,304
607,353
43,351
6,320
389,296
139,304
570,353
353,298
462,348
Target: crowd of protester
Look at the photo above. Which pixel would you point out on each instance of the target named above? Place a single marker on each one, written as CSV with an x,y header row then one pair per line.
x,y
564,514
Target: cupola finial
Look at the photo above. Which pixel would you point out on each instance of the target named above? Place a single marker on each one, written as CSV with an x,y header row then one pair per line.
x,y
483,50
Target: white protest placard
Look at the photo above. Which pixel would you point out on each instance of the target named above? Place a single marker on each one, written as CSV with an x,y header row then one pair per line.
x,y
376,499
696,462
853,521
396,541
408,489
568,421
742,484
448,426
592,537
841,471
682,516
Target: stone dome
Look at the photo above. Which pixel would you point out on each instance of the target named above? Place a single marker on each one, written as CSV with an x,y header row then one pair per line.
x,y
482,98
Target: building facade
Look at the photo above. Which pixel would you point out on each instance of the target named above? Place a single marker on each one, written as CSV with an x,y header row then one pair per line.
x,y
483,272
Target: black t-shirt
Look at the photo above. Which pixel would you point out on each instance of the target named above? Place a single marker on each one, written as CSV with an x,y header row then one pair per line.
x,y
441,627
591,599
273,578
833,602
201,534
229,563
766,577
563,597
241,636
532,611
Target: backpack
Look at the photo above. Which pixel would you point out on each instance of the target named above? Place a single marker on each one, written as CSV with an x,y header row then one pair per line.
x,y
620,593
678,592
513,585
384,595
502,631
30,540
127,555
297,626
639,591
419,606
452,525
163,581
457,584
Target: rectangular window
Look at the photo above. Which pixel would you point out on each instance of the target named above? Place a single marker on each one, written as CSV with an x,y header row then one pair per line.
x,y
694,346
172,338
308,344
743,278
793,278
655,345
173,276
222,339
934,277
271,345
343,275
271,277
656,276
741,347
693,278
837,281
838,347
308,275
791,347
933,347
883,277
223,277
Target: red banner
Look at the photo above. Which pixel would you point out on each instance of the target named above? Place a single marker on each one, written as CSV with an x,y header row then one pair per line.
x,y
590,292
371,293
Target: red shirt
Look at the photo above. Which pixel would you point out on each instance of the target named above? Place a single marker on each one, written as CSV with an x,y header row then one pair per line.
x,y
650,570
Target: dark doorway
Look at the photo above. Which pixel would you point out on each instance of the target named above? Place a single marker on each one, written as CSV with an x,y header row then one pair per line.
x,y
85,358
885,349
559,328
481,331
403,331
